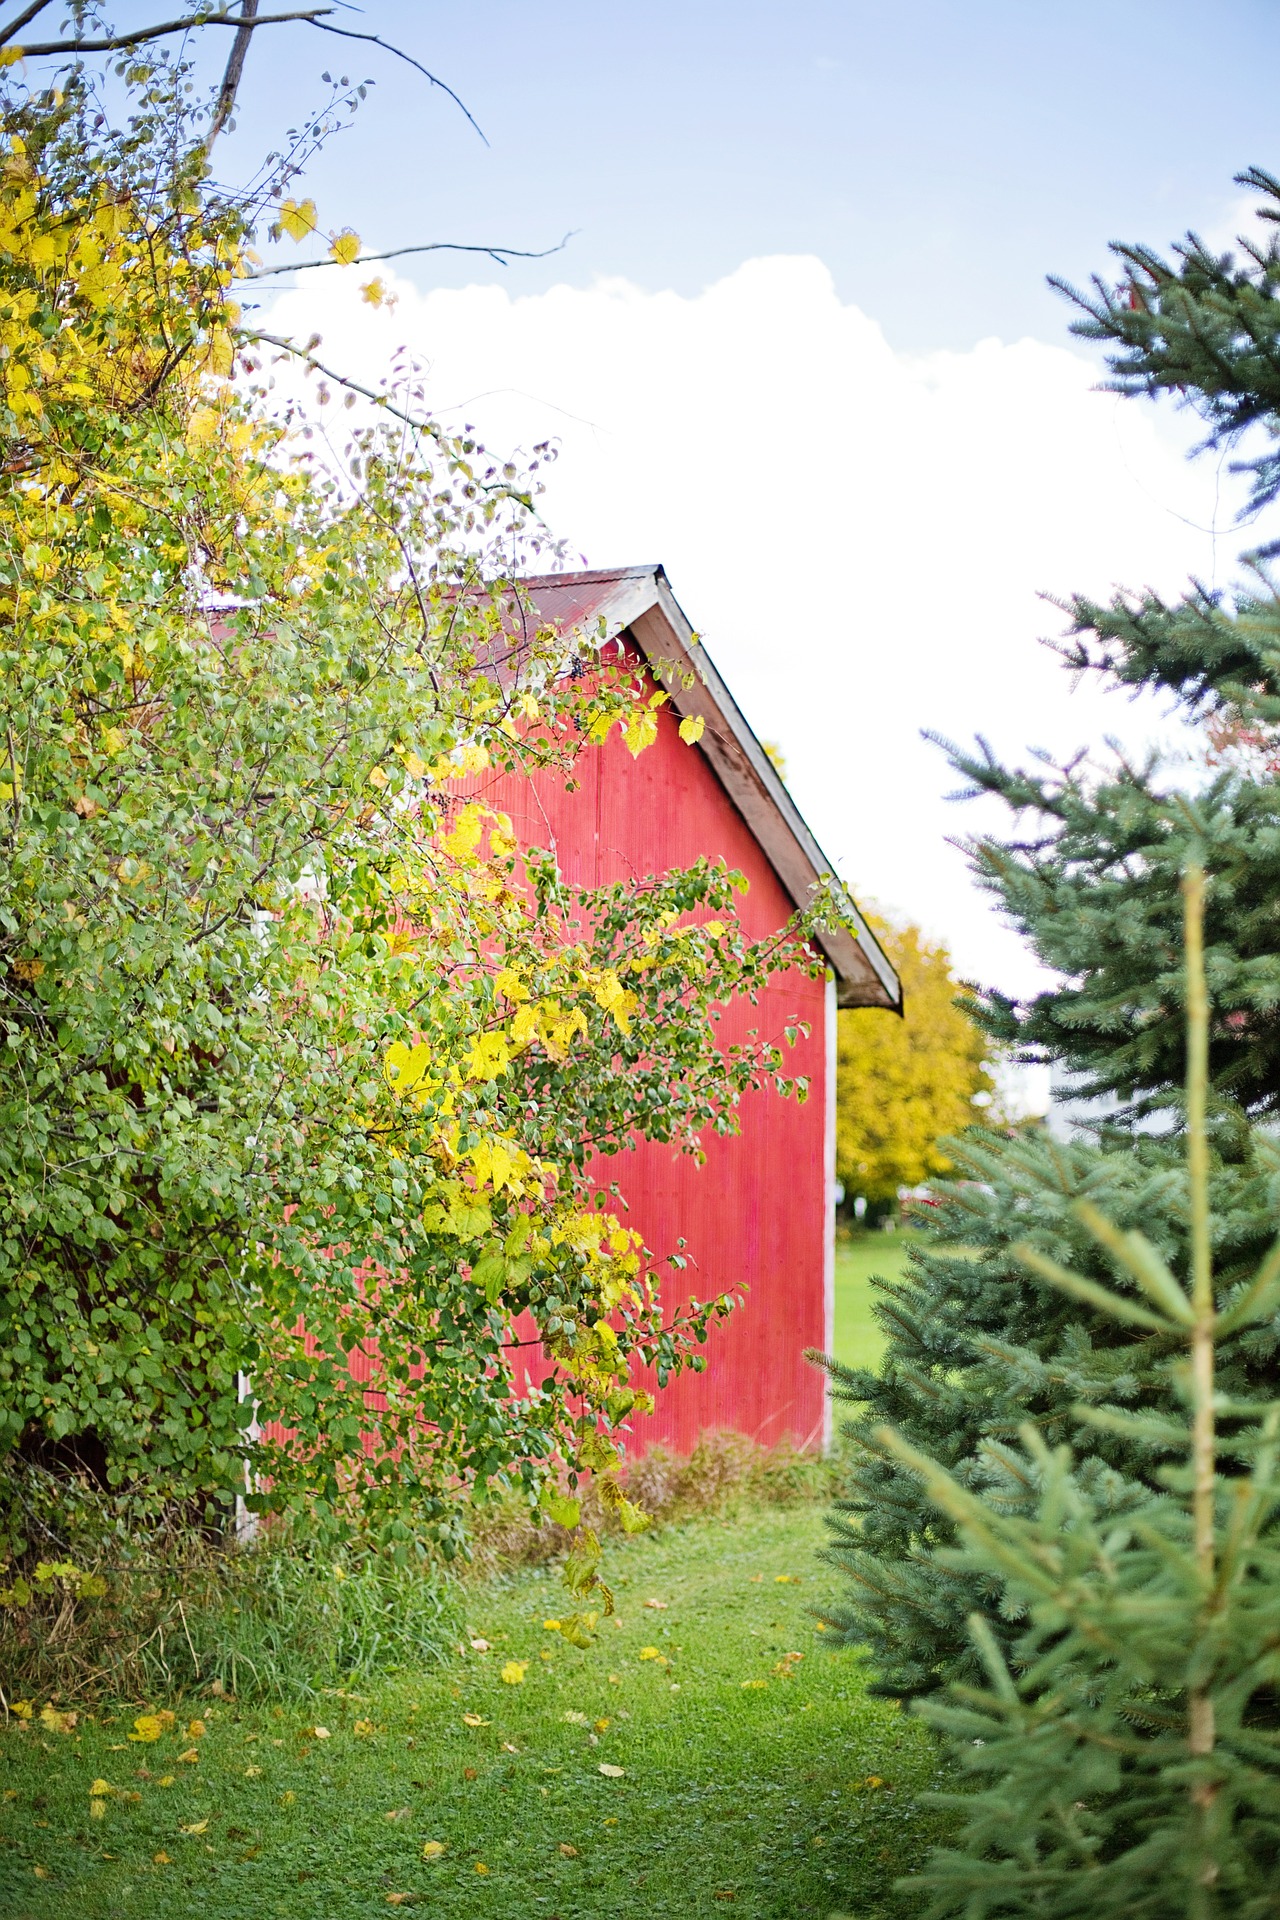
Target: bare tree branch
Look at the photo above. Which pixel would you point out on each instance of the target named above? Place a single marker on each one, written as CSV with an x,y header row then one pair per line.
x,y
349,33
500,254
231,78
16,26
121,42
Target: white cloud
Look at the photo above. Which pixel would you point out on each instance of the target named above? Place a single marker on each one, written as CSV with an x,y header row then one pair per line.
x,y
860,535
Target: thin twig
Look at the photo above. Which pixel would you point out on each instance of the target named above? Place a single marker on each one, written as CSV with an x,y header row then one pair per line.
x,y
500,254
348,33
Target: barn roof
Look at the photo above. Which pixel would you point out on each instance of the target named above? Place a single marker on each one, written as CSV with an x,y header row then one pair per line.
x,y
639,602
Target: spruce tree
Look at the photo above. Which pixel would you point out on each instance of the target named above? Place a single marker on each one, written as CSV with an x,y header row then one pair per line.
x,y
1128,1757
1090,872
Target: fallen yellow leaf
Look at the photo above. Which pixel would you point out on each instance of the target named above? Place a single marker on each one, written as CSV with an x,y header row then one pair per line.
x,y
196,1826
611,1773
399,1813
473,1720
147,1726
433,1849
321,1733
56,1722
363,1728
479,1646
754,1683
161,1859
165,1780
41,1873
552,1626
97,1809
251,1773
787,1579
602,1724
651,1653
570,1853
660,1606
612,1821
196,1730
481,1867
514,1671
190,1757
100,1787
288,1797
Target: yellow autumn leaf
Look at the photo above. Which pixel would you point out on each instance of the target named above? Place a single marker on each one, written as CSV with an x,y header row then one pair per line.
x,y
251,1773
691,729
753,1683
196,1730
404,1066
373,292
432,1849
196,1827
190,1757
651,1653
97,1809
54,1722
601,1725
298,220
161,1859
345,248
640,730
610,1772
165,1780
481,1867
319,1733
513,1673
362,1729
488,1058
464,837
202,427
99,1788
570,1853
473,1720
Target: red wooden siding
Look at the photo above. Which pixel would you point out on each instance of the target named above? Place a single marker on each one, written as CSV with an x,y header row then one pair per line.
x,y
756,1211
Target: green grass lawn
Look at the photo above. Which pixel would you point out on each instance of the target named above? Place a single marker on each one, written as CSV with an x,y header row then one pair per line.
x,y
744,1766
859,1341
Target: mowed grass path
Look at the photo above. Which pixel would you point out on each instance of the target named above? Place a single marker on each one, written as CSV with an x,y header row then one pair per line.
x,y
859,1341
751,1773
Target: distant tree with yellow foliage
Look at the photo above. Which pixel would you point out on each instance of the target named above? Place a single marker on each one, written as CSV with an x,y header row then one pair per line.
x,y
903,1083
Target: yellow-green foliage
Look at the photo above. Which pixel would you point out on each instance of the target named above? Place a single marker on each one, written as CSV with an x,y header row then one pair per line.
x,y
903,1084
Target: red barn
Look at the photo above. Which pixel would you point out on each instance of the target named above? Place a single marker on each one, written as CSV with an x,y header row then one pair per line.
x,y
762,1208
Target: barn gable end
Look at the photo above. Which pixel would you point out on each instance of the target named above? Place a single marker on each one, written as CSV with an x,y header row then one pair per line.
x,y
760,1212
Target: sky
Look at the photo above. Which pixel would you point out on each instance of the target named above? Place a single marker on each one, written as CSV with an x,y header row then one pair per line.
x,y
799,347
